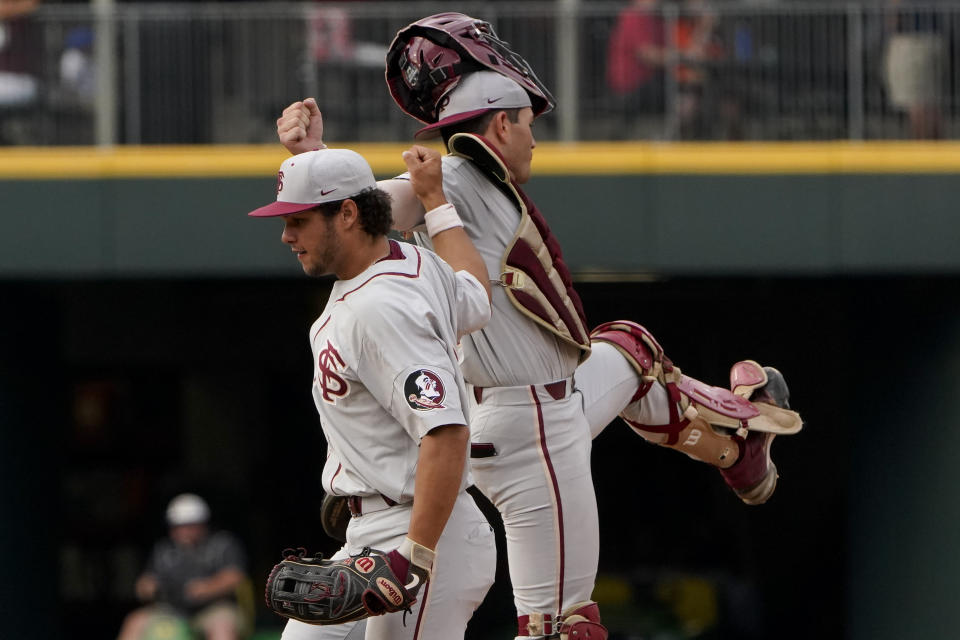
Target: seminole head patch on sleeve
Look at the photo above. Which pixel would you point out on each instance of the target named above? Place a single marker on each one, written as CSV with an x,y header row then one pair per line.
x,y
424,390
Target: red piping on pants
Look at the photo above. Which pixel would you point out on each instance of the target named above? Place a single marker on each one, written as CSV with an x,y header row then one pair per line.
x,y
556,491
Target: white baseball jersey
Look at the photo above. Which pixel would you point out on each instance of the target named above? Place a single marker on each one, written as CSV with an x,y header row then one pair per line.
x,y
385,373
386,369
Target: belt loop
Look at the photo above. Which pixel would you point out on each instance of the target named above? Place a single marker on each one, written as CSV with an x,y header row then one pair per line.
x,y
557,390
478,394
482,450
355,504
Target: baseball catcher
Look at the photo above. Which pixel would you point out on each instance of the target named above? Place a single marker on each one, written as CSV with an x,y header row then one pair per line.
x,y
320,591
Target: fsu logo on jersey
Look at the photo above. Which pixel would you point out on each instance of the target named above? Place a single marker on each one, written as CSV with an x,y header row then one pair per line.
x,y
424,390
332,385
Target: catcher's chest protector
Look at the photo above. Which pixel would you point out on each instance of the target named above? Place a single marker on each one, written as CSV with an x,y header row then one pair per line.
x,y
536,280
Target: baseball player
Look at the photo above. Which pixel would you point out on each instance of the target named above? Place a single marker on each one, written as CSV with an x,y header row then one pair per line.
x,y
387,385
537,398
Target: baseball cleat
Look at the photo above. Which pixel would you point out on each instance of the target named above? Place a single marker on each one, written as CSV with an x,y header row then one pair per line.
x,y
753,477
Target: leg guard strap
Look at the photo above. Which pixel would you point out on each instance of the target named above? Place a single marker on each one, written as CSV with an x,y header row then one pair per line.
x,y
580,621
535,624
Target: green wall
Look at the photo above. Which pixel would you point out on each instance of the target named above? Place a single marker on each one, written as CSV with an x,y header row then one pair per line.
x,y
665,224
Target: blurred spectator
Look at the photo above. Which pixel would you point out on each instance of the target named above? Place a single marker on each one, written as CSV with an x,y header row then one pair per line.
x,y
346,62
915,65
193,576
636,50
694,39
636,56
76,66
19,53
644,44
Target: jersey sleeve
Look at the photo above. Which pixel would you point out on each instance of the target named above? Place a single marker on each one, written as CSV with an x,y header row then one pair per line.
x,y
405,207
472,304
406,364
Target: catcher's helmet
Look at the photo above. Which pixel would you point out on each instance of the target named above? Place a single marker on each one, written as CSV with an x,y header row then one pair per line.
x,y
428,57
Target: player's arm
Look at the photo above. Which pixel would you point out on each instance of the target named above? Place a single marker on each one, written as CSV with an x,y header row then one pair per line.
x,y
443,455
440,466
450,240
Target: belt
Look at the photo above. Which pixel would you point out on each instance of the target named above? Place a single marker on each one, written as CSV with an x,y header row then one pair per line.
x,y
556,390
360,505
516,395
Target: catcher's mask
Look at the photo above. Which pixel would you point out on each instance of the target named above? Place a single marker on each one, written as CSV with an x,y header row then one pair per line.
x,y
428,57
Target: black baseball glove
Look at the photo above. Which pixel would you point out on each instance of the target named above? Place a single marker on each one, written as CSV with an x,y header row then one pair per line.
x,y
321,591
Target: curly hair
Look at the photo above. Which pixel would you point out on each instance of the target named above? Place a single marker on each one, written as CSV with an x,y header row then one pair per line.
x,y
373,206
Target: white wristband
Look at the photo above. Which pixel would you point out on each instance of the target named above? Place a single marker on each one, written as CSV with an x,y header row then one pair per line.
x,y
417,554
442,218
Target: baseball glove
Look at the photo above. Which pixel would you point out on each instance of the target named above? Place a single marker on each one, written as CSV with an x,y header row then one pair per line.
x,y
322,591
335,516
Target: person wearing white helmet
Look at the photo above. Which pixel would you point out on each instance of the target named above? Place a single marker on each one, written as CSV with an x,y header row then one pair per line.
x,y
192,575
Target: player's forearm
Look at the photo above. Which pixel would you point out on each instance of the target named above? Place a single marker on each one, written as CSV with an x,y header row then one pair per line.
x,y
443,455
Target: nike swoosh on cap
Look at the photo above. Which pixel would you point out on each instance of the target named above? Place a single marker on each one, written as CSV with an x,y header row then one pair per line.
x,y
323,193
492,100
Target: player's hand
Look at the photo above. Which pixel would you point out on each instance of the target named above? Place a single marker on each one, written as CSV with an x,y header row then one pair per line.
x,y
300,127
426,175
412,576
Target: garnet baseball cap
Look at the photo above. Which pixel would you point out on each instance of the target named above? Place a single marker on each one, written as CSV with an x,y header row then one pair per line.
x,y
475,94
315,177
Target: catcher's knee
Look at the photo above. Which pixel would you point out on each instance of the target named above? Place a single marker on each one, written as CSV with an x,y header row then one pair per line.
x,y
701,419
580,621
638,347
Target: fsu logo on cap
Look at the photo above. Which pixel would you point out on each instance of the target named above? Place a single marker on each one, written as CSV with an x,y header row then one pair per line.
x,y
424,390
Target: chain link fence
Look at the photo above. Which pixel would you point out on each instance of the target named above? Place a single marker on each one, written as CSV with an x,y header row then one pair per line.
x,y
220,73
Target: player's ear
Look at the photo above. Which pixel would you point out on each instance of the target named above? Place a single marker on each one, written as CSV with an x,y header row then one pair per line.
x,y
499,128
348,214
